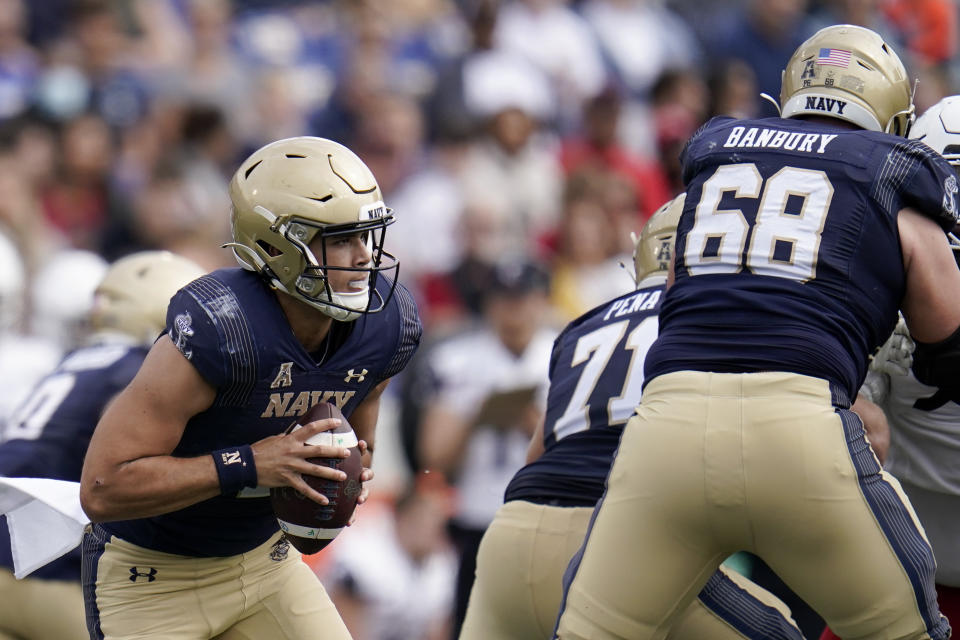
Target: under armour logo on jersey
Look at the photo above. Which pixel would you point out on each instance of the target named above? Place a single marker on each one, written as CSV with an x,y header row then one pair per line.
x,y
359,376
284,377
150,575
181,330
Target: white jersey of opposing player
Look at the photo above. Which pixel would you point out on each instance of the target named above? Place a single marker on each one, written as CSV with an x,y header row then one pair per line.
x,y
924,450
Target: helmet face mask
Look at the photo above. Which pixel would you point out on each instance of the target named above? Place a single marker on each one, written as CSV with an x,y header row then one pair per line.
x,y
850,73
294,192
314,281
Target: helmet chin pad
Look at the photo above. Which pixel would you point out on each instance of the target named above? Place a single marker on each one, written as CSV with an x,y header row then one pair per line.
x,y
346,307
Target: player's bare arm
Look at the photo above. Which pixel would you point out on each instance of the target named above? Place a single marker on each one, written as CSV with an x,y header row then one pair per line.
x,y
364,422
931,310
364,419
443,440
536,447
129,471
875,424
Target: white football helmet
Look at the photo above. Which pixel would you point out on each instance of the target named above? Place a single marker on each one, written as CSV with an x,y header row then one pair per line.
x,y
132,297
62,296
287,193
653,250
939,129
12,285
848,72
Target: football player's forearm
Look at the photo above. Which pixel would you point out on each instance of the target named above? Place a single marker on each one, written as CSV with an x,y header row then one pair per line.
x,y
149,487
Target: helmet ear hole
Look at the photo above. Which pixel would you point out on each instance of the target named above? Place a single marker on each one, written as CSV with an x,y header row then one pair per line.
x,y
268,248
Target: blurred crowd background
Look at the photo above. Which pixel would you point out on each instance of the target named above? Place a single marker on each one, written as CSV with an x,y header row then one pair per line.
x,y
518,141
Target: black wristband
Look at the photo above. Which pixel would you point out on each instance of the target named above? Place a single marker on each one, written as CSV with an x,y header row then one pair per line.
x,y
235,468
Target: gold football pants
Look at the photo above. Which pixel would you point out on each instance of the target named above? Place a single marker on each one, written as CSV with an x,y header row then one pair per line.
x,y
267,593
519,584
715,463
33,609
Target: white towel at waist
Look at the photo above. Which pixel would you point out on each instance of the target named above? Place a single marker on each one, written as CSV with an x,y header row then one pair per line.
x,y
44,518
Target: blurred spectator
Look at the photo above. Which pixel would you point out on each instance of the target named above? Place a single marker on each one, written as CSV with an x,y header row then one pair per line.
x,y
864,13
381,47
171,213
24,359
391,575
449,116
559,42
513,166
733,90
417,182
76,203
454,299
27,160
209,69
642,39
587,268
763,34
486,400
94,68
19,64
929,28
597,148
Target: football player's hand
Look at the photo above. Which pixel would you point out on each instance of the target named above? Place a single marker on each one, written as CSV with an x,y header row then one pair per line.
x,y
281,459
895,356
365,476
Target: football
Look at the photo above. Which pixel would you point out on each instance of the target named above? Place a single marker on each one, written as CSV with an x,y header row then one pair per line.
x,y
308,525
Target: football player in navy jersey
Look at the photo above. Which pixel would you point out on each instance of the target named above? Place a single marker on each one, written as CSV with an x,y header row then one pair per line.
x,y
186,544
48,433
800,238
596,372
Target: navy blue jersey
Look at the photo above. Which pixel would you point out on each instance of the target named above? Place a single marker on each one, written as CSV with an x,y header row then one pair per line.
x,y
788,253
48,434
230,326
596,374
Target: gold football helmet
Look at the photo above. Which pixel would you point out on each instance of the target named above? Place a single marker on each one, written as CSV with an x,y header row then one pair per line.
x,y
289,191
133,295
848,72
654,248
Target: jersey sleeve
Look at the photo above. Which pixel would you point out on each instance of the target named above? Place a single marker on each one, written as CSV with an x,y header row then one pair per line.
x,y
689,157
410,332
914,175
195,334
